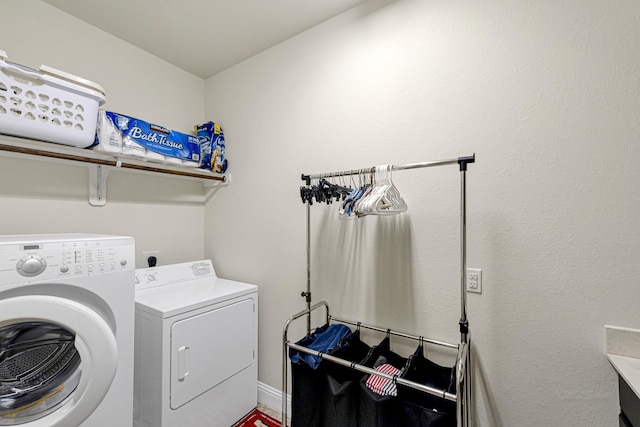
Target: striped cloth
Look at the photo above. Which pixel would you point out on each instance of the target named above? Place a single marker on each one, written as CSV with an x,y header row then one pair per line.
x,y
381,385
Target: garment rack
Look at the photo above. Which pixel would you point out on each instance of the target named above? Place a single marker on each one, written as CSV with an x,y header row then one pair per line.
x,y
463,359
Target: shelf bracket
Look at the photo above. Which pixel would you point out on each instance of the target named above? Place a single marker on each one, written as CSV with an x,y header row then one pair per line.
x,y
98,184
212,186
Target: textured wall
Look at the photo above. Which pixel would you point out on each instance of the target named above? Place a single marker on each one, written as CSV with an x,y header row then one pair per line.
x,y
545,93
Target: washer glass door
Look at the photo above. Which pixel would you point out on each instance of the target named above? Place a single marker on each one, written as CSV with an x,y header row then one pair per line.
x,y
39,368
58,358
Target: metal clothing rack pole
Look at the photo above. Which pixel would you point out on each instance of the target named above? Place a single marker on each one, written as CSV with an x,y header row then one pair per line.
x,y
389,331
464,323
307,294
458,160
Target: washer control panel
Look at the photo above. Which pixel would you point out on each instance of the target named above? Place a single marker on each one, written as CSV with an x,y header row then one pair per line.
x,y
69,257
31,265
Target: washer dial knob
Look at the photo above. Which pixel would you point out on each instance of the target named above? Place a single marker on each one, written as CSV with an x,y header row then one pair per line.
x,y
30,266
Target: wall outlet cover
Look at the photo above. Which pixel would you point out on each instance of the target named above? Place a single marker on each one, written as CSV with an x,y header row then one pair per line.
x,y
474,280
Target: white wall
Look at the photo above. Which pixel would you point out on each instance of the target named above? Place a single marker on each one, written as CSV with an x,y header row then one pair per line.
x,y
545,93
39,197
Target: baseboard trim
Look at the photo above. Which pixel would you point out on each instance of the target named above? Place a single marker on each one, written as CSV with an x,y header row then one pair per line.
x,y
272,397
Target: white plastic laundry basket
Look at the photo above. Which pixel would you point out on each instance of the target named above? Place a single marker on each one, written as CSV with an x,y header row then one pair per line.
x,y
48,104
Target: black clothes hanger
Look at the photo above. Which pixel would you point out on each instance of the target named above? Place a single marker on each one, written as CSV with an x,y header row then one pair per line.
x,y
324,192
417,354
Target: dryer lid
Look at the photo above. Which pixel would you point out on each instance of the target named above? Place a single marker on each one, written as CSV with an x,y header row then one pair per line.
x,y
177,298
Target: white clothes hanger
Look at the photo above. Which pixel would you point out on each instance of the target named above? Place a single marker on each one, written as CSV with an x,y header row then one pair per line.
x,y
384,198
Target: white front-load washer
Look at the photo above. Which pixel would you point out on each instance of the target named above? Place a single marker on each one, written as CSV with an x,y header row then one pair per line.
x,y
66,330
196,355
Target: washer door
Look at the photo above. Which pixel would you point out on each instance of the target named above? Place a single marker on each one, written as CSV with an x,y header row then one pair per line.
x,y
58,359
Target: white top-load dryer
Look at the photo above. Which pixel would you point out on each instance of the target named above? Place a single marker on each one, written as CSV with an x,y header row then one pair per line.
x,y
196,351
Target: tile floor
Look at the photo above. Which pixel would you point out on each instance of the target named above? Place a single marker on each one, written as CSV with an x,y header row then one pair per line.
x,y
270,411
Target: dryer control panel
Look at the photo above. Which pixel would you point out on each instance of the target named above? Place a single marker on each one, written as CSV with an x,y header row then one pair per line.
x,y
31,259
174,273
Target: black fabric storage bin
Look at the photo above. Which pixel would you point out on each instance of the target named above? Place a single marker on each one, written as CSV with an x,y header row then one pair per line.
x,y
307,392
375,410
306,388
414,415
340,402
308,385
418,408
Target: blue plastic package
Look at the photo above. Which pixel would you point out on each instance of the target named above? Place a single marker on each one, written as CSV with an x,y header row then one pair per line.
x,y
212,144
155,138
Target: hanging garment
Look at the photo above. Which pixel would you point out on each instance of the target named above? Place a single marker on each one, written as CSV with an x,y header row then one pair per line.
x,y
383,386
323,341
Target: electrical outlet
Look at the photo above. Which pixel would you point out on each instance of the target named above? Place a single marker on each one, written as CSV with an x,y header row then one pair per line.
x,y
474,280
147,255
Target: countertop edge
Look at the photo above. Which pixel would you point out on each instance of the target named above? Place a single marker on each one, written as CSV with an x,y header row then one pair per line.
x,y
628,368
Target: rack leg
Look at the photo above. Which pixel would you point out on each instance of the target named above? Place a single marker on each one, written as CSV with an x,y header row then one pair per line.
x,y
464,324
308,293
285,362
469,390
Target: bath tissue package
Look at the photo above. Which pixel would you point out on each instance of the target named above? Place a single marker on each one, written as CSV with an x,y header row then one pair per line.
x,y
120,134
